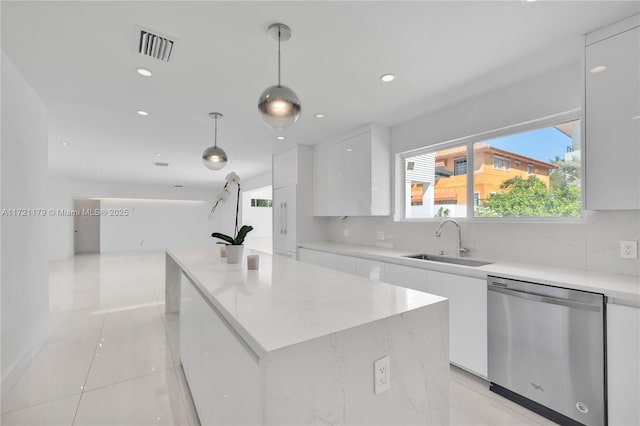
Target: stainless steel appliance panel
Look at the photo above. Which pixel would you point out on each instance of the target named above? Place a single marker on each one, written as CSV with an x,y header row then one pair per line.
x,y
547,345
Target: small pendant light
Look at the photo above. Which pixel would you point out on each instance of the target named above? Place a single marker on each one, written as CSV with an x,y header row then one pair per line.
x,y
214,158
279,105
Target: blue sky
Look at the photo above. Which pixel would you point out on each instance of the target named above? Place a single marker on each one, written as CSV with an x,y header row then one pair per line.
x,y
542,144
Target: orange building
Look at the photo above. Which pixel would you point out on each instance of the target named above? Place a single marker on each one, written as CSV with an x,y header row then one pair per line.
x,y
492,166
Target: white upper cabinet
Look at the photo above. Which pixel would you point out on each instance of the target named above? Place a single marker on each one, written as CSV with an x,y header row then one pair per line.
x,y
352,174
612,117
285,169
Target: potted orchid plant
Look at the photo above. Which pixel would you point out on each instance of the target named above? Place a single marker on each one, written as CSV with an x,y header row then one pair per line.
x,y
234,245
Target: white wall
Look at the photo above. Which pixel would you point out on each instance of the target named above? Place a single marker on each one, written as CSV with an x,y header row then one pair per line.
x,y
154,224
160,216
60,226
25,291
589,245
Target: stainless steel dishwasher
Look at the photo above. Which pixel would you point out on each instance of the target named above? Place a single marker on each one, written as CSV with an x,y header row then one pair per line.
x,y
547,350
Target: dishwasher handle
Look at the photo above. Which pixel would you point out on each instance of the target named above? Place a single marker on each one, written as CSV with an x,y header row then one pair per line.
x,y
545,299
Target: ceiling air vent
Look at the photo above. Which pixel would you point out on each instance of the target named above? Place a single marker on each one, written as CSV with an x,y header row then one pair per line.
x,y
159,164
153,44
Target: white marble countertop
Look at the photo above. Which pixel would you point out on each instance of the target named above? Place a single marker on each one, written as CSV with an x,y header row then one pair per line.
x,y
622,289
287,302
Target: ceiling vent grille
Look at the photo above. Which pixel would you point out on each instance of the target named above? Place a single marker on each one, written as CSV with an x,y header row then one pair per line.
x,y
159,164
153,44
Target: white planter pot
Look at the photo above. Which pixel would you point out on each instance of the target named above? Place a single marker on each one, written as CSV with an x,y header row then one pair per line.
x,y
234,253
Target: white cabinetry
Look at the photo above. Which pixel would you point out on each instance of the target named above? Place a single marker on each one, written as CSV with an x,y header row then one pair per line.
x,y
467,300
612,117
405,276
284,218
311,256
352,174
467,318
336,262
623,364
293,220
223,375
370,269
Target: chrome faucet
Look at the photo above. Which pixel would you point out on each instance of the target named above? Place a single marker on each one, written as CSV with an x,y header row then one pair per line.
x,y
461,250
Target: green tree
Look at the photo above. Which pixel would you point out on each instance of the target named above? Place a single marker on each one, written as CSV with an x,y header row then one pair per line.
x,y
531,198
565,173
519,197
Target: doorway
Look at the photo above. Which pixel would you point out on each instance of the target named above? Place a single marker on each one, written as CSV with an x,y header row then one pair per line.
x,y
86,226
257,212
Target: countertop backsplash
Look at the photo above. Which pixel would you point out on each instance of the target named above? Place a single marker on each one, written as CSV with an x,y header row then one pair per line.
x,y
591,245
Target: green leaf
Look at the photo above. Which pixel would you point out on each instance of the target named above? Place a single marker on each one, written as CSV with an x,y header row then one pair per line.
x,y
242,233
223,237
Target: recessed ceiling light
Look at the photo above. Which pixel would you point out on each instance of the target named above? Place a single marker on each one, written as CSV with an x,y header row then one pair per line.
x,y
598,69
319,115
144,72
387,77
529,1
157,154
63,143
142,113
280,138
349,149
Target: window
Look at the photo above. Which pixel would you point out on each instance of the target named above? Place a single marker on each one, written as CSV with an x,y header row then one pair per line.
x,y
440,184
460,166
500,163
259,202
434,182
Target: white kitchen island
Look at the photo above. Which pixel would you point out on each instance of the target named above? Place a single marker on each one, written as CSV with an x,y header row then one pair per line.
x,y
293,343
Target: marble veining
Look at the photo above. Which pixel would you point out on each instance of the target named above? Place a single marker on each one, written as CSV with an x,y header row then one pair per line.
x,y
287,302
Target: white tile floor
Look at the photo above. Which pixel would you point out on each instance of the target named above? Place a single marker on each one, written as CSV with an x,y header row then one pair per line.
x,y
112,358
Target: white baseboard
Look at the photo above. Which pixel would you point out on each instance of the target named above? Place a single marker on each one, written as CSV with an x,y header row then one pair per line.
x,y
11,376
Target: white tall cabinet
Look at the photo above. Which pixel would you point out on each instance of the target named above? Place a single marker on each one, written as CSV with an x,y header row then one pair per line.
x,y
293,220
352,174
612,117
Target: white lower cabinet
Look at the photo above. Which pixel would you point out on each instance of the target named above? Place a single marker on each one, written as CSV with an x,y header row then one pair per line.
x,y
313,257
623,364
467,318
405,276
370,269
340,263
336,262
223,375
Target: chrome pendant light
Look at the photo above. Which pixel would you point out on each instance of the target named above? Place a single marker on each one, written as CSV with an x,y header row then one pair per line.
x,y
214,158
279,105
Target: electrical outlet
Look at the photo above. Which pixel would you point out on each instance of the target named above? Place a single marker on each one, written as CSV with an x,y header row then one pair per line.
x,y
345,233
380,235
629,249
381,375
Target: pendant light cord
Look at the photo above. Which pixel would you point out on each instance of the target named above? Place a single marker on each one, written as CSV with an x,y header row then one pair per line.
x,y
215,137
279,29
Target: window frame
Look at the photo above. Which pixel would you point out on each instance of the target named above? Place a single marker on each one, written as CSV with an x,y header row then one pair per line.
x,y
469,141
466,165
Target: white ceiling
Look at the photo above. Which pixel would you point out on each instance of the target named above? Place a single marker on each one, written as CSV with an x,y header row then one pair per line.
x,y
80,59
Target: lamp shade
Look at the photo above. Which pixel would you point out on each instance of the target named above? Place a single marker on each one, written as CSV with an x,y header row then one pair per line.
x,y
214,158
279,106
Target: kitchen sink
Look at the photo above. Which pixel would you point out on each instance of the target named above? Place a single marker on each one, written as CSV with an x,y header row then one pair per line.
x,y
446,259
